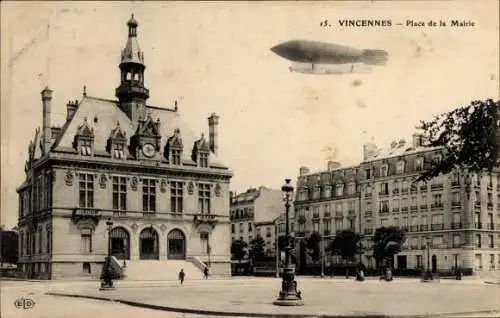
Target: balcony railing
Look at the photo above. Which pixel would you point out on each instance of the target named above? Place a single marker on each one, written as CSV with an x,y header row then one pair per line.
x,y
437,187
424,227
423,206
477,204
383,193
491,226
395,191
395,209
315,215
413,190
414,228
148,214
455,184
368,231
456,204
368,213
368,195
404,209
383,211
456,225
326,215
490,205
326,232
436,206
437,227
404,191
423,188
478,225
414,208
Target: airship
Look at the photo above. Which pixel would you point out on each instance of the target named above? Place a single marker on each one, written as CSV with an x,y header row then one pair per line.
x,y
327,55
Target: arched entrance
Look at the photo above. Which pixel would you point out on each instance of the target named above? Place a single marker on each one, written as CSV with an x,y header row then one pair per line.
x,y
434,263
176,245
148,244
120,243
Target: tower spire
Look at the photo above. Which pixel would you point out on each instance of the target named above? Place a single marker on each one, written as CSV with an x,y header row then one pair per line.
x,y
132,93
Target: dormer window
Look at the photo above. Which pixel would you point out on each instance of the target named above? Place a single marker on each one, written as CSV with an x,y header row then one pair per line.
x,y
201,151
116,143
173,149
84,139
340,190
400,167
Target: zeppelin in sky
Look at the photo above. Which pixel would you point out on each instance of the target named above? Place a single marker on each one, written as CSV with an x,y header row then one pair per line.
x,y
312,57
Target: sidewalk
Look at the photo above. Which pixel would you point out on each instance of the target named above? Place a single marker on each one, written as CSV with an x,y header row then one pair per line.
x,y
323,298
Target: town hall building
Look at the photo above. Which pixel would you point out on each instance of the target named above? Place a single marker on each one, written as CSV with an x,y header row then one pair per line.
x,y
123,161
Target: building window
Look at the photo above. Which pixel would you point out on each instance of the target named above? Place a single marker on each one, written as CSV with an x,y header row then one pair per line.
x,y
86,184
149,195
419,261
204,198
86,268
383,171
351,188
352,222
241,227
419,164
119,193
249,227
368,174
86,243
175,156
400,167
456,240
86,147
491,243
340,190
176,197
232,228
203,159
436,159
118,151
478,240
316,227
384,188
384,206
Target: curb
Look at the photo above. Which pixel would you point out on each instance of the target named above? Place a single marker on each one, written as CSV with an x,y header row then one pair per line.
x,y
240,314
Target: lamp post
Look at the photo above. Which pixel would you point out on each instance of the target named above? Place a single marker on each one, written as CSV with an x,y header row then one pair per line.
x,y
322,250
289,296
106,279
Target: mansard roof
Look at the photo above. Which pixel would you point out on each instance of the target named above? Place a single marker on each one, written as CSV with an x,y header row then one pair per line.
x,y
105,114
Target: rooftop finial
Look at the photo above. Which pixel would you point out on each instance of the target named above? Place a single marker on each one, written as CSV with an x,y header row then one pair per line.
x,y
84,90
175,106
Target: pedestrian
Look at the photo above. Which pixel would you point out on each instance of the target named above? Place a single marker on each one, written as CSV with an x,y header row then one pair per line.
x,y
205,272
182,275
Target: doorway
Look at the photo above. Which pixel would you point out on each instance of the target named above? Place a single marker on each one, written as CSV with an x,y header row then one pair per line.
x,y
148,244
434,263
176,245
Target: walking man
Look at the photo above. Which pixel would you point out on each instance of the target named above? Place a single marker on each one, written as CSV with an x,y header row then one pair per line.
x,y
182,275
205,272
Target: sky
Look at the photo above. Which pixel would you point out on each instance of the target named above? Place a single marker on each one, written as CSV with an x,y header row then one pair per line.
x,y
215,57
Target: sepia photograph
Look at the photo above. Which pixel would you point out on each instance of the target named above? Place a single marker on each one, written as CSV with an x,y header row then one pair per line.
x,y
250,159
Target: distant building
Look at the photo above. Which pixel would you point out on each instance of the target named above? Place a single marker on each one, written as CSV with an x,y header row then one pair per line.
x,y
458,214
253,213
163,186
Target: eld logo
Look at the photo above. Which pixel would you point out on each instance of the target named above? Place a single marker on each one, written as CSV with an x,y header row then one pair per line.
x,y
24,303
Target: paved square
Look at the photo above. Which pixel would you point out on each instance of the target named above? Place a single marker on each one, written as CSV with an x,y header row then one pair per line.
x,y
327,296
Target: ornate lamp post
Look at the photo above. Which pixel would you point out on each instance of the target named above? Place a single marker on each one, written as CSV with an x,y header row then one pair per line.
x,y
289,296
106,279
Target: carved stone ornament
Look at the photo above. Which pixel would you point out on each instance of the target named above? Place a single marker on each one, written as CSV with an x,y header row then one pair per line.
x,y
163,227
163,186
69,178
133,183
135,227
190,187
217,190
103,181
53,176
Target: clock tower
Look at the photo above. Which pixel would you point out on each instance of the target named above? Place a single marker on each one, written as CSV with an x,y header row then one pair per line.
x,y
132,94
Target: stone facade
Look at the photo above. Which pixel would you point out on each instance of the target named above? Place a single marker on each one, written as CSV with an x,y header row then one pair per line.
x,y
164,189
451,221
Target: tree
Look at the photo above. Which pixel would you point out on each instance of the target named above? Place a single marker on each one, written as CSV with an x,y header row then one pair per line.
x,y
469,136
387,242
9,247
346,244
312,244
282,242
239,249
257,247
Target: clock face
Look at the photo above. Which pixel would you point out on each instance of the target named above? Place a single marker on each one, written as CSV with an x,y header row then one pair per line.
x,y
148,150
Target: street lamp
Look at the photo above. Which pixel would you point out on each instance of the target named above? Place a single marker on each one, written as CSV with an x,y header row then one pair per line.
x,y
106,279
289,296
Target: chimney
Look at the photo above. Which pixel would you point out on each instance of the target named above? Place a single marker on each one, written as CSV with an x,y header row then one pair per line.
x,y
332,165
47,130
303,171
369,150
402,143
213,123
71,108
55,132
394,144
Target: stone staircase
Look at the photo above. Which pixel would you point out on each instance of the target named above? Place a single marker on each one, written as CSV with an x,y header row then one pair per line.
x,y
160,270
